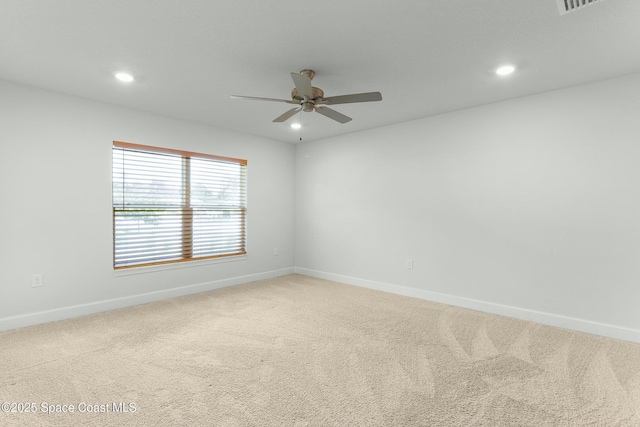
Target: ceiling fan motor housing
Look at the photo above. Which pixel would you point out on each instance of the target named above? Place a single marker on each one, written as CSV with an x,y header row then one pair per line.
x,y
317,94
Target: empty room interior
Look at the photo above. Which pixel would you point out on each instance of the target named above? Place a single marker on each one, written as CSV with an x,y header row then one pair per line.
x,y
298,213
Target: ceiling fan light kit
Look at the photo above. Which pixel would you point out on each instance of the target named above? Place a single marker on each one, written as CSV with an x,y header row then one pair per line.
x,y
310,98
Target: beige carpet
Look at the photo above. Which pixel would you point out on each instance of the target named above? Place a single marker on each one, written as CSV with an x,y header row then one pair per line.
x,y
299,351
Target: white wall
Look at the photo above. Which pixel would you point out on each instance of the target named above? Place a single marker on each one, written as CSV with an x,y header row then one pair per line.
x,y
55,182
528,208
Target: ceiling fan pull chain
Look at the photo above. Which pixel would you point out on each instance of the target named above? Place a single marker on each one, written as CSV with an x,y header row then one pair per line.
x,y
300,129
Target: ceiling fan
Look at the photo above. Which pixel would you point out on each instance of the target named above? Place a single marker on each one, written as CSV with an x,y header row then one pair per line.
x,y
309,98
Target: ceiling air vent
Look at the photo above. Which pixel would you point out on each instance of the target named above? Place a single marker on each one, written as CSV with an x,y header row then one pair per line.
x,y
566,6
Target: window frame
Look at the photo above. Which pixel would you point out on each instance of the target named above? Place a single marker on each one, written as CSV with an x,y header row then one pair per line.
x,y
186,207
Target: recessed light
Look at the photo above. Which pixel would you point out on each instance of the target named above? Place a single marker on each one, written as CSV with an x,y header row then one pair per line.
x,y
505,70
124,77
296,125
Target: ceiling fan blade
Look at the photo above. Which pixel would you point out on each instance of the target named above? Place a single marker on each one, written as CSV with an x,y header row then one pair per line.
x,y
303,85
347,99
255,98
284,117
333,114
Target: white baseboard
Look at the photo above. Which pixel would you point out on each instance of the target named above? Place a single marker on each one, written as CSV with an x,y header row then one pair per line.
x,y
581,325
550,319
14,322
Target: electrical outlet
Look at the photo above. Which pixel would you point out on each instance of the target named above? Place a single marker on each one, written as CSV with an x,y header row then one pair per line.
x,y
409,263
275,251
36,280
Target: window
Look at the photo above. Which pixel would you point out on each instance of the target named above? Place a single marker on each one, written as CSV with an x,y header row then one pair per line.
x,y
175,206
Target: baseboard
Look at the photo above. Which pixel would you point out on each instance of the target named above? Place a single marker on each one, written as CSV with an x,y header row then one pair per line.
x,y
581,325
550,319
63,313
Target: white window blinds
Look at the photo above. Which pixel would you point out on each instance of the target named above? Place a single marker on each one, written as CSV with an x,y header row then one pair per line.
x,y
175,206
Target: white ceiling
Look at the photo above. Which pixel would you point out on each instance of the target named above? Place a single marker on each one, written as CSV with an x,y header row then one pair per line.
x,y
425,57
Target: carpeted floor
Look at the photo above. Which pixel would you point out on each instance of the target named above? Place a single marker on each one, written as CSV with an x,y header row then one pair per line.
x,y
300,351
